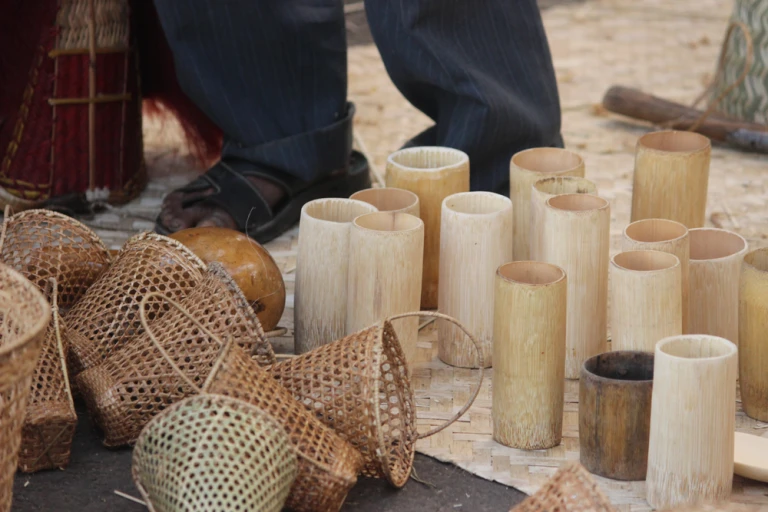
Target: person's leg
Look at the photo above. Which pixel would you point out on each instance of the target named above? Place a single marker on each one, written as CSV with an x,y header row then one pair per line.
x,y
481,69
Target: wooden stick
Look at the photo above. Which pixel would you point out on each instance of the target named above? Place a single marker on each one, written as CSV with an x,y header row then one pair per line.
x,y
753,328
101,98
91,95
389,199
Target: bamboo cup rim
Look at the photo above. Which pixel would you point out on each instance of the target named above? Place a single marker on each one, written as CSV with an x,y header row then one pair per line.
x,y
583,185
711,244
388,222
638,374
576,203
655,230
477,203
696,347
336,210
547,160
387,199
531,273
645,261
674,141
757,259
428,158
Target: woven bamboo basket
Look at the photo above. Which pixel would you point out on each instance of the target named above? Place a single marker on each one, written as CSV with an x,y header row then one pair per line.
x,y
24,316
213,453
360,386
41,244
571,489
106,318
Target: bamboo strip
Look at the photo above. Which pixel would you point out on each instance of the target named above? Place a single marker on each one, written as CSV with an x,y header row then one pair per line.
x,y
389,199
753,329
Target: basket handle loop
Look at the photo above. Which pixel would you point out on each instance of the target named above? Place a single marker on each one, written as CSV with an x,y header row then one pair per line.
x,y
480,360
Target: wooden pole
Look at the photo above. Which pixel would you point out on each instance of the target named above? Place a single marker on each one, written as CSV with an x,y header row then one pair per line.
x,y
389,199
753,329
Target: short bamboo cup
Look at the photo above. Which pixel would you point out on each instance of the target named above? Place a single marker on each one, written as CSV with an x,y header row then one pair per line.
x,y
645,299
386,251
529,355
753,334
320,303
476,238
671,177
388,199
665,236
432,173
693,410
575,236
541,191
526,168
716,258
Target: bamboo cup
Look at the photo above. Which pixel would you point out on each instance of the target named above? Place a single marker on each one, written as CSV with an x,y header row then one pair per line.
x,y
389,199
665,236
753,334
671,177
645,299
320,307
529,355
432,173
543,190
716,258
575,236
690,451
526,168
385,258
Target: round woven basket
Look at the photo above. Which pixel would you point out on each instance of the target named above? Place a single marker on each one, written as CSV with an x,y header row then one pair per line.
x,y
211,452
571,489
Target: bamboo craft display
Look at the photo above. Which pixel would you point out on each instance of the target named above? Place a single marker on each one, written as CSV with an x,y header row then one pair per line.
x,y
389,199
529,355
716,258
432,173
690,452
575,237
671,177
646,303
753,329
526,168
385,274
665,236
322,267
475,238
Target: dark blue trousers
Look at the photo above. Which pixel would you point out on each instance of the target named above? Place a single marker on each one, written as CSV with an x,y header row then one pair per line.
x,y
273,75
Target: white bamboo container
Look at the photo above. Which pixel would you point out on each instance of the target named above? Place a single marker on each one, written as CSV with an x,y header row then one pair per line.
x,y
671,177
693,409
432,173
716,258
385,257
389,199
529,355
320,298
646,301
753,329
526,168
575,237
665,236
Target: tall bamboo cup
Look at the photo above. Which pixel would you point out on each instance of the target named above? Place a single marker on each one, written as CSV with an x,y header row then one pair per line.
x,y
575,236
665,236
543,190
693,409
529,355
671,177
646,303
753,334
385,258
320,303
526,168
716,258
432,173
388,199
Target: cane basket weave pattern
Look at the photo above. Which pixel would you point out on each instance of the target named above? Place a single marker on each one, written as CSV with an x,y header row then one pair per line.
x,y
212,453
571,489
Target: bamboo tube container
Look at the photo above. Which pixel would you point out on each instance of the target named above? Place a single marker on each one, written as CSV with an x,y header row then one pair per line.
x,y
716,258
646,302
476,238
665,236
432,173
671,177
543,190
693,409
529,355
526,168
575,236
385,258
753,329
389,199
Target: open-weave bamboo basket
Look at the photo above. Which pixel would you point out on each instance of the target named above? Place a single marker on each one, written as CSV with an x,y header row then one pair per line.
x,y
571,489
136,382
359,386
107,316
42,244
213,453
24,316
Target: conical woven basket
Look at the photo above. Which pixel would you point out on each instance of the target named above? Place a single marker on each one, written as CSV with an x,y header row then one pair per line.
x,y
24,316
359,386
211,453
136,382
42,244
571,489
107,315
